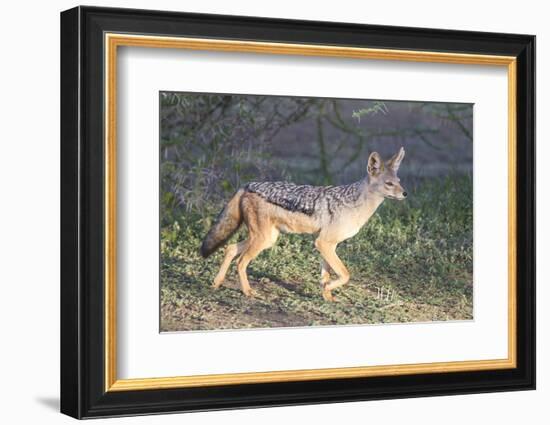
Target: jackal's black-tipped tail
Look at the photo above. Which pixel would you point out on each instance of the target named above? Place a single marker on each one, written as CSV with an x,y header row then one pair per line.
x,y
227,223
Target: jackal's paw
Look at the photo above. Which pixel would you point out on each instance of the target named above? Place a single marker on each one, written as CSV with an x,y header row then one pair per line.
x,y
327,295
217,283
249,293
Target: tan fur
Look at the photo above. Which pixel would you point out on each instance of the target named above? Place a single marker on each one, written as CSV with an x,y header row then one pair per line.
x,y
225,226
265,221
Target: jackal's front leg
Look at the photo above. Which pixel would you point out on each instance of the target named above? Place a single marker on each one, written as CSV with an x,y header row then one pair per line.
x,y
328,251
325,273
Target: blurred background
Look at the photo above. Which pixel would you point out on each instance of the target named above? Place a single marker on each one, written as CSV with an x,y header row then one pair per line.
x,y
212,144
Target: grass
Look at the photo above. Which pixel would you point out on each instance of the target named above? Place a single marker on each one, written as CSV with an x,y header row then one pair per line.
x,y
412,262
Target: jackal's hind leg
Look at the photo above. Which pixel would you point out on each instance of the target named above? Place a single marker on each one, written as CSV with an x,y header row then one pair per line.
x,y
328,251
256,245
231,252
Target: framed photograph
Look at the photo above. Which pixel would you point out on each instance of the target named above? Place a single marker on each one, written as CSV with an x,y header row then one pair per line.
x,y
261,212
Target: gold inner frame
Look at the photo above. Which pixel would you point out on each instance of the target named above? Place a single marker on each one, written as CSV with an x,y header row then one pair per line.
x,y
113,41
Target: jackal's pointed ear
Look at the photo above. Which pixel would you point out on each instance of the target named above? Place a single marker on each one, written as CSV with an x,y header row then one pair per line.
x,y
395,160
375,164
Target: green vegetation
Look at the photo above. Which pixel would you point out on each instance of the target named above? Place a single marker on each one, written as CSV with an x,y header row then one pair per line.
x,y
412,262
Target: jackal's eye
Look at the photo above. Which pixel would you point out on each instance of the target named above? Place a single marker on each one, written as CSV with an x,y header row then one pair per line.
x,y
389,183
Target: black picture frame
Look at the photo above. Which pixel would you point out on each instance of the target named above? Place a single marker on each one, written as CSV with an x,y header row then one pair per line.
x,y
82,212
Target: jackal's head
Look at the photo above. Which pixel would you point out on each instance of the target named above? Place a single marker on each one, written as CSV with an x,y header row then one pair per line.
x,y
383,178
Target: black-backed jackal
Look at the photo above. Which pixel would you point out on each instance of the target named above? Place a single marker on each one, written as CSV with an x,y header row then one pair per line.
x,y
333,213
